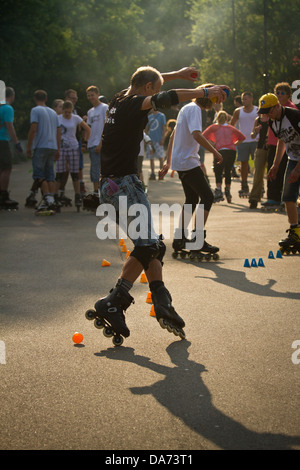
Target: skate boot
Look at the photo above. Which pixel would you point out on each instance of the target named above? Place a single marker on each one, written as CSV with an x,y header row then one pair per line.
x,y
218,196
78,201
64,200
108,314
253,204
91,202
165,312
208,251
292,242
179,243
228,195
43,208
272,206
31,201
6,203
244,191
57,203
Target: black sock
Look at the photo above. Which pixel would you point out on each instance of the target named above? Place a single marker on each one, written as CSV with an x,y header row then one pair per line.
x,y
124,284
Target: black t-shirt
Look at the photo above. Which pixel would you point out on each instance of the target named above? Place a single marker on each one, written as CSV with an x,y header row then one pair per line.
x,y
122,135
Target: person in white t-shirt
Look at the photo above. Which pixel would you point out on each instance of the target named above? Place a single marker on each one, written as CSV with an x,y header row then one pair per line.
x,y
245,116
183,157
69,148
96,120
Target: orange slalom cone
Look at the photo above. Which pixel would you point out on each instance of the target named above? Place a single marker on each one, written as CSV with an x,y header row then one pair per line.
x,y
122,242
105,263
152,312
124,249
128,254
149,298
143,278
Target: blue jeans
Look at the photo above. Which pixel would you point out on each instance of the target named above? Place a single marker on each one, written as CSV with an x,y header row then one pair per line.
x,y
43,164
95,165
132,197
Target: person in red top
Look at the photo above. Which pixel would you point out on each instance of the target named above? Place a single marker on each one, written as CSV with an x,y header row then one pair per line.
x,y
283,92
226,138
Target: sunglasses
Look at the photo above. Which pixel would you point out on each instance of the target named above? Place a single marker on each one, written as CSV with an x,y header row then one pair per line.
x,y
280,93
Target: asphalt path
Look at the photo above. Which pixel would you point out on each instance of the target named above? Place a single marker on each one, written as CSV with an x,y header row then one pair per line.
x,y
232,384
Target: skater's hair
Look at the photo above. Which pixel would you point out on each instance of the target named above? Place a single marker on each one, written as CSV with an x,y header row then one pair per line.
x,y
68,105
69,92
145,75
93,89
56,103
222,117
247,93
283,86
204,103
40,95
9,92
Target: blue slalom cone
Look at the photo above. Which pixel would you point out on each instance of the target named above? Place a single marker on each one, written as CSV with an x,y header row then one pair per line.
x,y
261,263
271,255
246,263
253,263
279,254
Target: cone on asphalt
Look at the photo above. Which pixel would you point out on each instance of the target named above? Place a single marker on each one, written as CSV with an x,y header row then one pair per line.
x,y
149,298
271,255
253,263
246,263
124,249
105,263
152,312
279,254
261,263
122,242
143,278
128,254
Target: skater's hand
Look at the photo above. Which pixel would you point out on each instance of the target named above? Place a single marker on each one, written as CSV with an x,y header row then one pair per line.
x,y
294,176
28,153
272,173
188,73
164,170
57,155
218,156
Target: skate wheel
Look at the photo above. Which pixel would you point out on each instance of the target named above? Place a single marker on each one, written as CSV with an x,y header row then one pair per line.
x,y
170,328
175,255
98,323
200,257
207,256
162,323
90,314
191,256
216,256
182,255
182,334
117,340
108,332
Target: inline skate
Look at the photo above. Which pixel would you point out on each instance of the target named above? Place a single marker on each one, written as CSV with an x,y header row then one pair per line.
x,y
78,201
218,195
272,206
165,313
108,314
207,252
291,244
6,203
244,191
228,195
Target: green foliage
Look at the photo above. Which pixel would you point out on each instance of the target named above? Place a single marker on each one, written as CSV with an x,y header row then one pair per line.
x,y
55,45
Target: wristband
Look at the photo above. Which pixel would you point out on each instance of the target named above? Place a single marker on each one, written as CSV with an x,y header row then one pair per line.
x,y
19,147
205,90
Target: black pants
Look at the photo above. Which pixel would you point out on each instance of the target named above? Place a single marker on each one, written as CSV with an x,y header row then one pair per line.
x,y
275,187
226,165
196,187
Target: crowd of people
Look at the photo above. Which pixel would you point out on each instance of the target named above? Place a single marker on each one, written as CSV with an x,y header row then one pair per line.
x,y
118,134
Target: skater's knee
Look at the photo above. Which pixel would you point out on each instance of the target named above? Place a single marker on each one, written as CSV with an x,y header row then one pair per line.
x,y
146,254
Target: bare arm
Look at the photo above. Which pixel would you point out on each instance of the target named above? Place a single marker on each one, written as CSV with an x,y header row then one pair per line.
x,y
87,130
186,73
167,165
207,145
235,117
186,94
280,149
31,134
12,133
